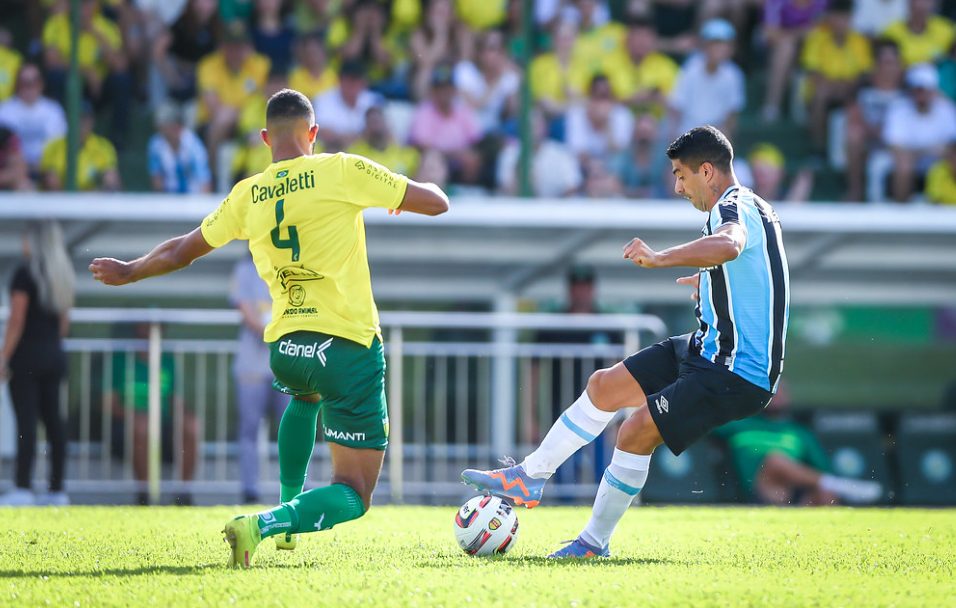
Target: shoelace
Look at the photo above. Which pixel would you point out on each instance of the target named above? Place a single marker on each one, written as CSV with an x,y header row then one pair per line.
x,y
508,461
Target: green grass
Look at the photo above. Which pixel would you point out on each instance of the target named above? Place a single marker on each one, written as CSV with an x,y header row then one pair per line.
x,y
407,556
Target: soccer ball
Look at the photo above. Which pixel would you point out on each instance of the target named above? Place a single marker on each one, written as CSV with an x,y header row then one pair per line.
x,y
486,525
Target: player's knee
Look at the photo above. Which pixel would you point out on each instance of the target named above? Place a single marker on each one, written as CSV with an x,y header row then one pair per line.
x,y
639,434
599,389
359,486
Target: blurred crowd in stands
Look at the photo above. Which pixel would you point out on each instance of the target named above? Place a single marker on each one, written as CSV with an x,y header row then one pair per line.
x,y
858,91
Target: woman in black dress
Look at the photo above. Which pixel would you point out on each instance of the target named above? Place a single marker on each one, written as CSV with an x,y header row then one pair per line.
x,y
32,357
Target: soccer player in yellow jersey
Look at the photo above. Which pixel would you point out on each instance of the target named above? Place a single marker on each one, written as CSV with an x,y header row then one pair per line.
x,y
302,217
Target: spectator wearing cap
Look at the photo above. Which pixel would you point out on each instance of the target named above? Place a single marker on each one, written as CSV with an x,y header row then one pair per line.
x,y
176,52
227,79
312,75
941,179
272,35
34,118
447,124
917,129
866,114
340,112
378,144
13,167
599,127
836,59
785,23
554,78
555,171
923,36
641,76
710,86
10,62
176,157
491,85
96,166
103,65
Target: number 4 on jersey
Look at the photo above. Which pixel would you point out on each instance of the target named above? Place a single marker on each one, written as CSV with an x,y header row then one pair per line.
x,y
280,243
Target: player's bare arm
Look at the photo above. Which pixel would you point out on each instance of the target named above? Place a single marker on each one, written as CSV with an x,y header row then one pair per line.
x,y
423,198
712,250
170,256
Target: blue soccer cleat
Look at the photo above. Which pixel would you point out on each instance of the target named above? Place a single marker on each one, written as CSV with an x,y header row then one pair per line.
x,y
510,482
579,549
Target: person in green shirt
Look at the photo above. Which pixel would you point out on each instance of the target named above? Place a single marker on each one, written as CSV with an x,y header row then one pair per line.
x,y
780,462
129,392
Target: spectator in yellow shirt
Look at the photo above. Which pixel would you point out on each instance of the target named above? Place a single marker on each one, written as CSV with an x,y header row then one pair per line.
x,y
923,37
96,165
482,14
555,79
378,144
102,61
313,75
640,76
227,79
836,59
941,179
10,61
596,44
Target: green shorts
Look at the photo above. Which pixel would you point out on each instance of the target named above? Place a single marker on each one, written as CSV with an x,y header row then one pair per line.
x,y
349,377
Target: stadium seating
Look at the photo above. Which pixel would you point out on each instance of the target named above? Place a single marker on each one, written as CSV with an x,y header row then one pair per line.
x,y
856,446
926,453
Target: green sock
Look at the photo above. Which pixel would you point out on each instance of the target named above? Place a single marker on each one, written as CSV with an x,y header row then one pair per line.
x,y
296,442
317,509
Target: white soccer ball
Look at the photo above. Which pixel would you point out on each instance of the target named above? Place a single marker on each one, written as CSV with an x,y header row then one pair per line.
x,y
486,525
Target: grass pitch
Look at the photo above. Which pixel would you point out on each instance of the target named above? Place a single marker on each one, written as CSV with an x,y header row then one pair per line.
x,y
407,556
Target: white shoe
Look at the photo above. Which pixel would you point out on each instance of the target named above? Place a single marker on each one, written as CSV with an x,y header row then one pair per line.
x,y
17,497
54,499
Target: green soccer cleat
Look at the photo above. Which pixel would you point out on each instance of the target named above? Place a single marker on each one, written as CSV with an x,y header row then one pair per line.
x,y
287,541
242,534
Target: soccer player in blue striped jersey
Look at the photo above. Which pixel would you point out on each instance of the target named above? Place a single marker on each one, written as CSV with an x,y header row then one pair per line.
x,y
685,386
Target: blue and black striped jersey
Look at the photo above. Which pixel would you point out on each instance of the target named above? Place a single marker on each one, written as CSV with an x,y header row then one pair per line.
x,y
744,304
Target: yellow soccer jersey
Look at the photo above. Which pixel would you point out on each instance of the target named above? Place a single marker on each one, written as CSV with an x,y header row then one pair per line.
x,y
929,45
303,220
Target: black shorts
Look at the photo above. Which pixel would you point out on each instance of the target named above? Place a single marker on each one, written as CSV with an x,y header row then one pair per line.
x,y
687,395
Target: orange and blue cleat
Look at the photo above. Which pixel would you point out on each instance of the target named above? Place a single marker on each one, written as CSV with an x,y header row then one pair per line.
x,y
510,482
579,549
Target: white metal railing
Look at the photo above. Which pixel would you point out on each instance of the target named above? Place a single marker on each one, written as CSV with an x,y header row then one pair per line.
x,y
452,403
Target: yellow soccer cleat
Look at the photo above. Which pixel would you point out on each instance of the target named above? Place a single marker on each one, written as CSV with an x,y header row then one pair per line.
x,y
242,534
287,541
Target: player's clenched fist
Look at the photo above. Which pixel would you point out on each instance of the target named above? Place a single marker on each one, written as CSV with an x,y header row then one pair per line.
x,y
110,271
638,252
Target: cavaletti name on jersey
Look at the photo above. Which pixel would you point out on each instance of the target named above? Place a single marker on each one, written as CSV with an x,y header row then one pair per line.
x,y
266,192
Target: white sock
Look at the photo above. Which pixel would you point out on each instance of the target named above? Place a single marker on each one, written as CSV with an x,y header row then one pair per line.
x,y
622,480
852,490
578,426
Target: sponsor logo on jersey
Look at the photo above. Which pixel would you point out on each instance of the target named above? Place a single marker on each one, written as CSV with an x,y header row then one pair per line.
x,y
343,435
662,405
288,185
309,351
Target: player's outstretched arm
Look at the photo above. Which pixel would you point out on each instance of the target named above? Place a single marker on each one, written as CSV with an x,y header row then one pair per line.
x,y
712,250
426,199
167,257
